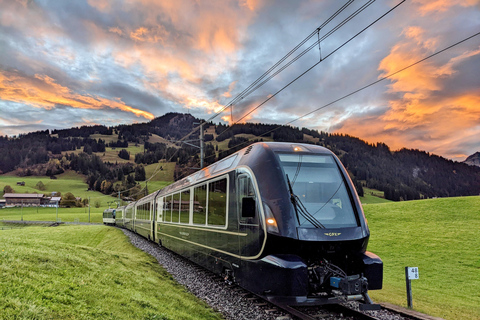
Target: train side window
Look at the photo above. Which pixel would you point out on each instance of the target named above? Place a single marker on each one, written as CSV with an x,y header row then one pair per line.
x,y
167,214
176,208
247,200
185,206
200,205
217,203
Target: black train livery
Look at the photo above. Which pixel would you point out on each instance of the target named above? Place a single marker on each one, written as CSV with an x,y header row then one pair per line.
x,y
282,220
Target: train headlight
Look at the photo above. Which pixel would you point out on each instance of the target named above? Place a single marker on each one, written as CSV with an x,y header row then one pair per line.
x,y
270,220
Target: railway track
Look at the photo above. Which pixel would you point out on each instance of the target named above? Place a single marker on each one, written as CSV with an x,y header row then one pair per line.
x,y
235,302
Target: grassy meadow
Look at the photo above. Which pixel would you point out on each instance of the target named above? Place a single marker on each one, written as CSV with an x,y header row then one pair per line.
x,y
66,182
439,236
87,272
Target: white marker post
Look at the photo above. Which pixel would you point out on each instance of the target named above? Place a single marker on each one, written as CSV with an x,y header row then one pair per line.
x,y
411,273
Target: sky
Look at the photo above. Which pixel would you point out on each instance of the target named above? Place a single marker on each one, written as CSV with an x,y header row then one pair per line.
x,y
65,64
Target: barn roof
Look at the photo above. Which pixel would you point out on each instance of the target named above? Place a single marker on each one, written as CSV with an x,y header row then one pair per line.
x,y
24,195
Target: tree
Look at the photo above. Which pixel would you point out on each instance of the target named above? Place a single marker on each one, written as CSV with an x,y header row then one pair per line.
x,y
124,154
139,173
40,186
8,189
68,200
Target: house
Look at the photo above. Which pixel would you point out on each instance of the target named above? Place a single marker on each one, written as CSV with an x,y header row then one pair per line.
x,y
53,201
25,199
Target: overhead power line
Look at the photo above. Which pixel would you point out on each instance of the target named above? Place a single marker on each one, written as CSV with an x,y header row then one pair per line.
x,y
364,87
314,65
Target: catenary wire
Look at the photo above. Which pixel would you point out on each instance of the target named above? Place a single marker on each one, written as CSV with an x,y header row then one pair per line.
x,y
363,88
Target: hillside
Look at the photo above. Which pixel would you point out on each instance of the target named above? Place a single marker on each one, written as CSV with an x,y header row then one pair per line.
x,y
440,237
115,159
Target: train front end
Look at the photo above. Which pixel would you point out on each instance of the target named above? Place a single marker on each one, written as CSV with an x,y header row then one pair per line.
x,y
320,235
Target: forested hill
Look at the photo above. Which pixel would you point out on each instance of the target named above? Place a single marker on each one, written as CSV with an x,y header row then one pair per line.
x,y
402,175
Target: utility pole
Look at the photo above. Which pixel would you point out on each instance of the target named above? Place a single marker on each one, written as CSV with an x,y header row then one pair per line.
x,y
202,154
88,209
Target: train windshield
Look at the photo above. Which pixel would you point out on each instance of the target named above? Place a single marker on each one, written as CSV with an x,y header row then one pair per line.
x,y
321,196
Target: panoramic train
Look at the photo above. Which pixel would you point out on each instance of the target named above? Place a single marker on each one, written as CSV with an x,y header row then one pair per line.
x,y
109,216
282,220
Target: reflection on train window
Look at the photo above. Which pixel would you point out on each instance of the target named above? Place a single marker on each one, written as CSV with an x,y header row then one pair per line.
x,y
200,205
185,206
167,213
318,183
217,203
246,190
176,207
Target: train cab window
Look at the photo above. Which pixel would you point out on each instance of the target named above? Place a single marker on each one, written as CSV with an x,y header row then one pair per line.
x,y
176,208
247,200
185,206
200,205
320,188
217,203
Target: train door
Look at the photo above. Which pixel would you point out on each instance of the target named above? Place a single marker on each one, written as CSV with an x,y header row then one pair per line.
x,y
248,222
158,218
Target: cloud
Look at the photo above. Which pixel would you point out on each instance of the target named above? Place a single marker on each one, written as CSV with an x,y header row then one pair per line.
x,y
41,91
132,60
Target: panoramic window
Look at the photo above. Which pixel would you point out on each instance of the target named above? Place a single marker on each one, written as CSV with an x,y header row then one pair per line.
x,y
200,204
217,203
167,212
319,188
176,207
185,207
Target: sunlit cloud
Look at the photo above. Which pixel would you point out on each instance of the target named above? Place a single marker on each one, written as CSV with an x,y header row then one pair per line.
x,y
68,62
428,6
41,91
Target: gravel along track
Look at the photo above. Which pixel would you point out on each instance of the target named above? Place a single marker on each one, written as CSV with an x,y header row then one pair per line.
x,y
230,300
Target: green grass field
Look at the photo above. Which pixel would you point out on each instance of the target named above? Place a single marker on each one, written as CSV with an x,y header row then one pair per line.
x,y
50,214
373,196
65,182
87,272
442,238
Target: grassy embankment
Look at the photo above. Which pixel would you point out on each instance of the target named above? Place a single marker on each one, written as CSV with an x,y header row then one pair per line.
x,y
439,236
87,272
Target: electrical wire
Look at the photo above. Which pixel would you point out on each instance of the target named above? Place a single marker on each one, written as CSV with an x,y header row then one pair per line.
x,y
363,88
314,65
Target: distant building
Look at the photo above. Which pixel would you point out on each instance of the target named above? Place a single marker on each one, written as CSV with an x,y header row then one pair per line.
x,y
53,201
25,199
2,203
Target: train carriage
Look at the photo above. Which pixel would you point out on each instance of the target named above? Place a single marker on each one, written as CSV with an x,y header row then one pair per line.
x,y
282,220
120,217
109,216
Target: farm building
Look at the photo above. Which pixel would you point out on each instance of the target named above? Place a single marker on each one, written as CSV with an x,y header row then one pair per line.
x,y
25,199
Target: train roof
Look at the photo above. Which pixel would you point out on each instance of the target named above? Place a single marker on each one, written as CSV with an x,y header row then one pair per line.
x,y
227,164
222,166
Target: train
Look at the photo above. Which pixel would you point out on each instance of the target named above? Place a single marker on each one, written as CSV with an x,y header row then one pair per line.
x,y
109,216
282,220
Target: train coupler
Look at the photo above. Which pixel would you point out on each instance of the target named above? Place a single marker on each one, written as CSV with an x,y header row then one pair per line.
x,y
350,285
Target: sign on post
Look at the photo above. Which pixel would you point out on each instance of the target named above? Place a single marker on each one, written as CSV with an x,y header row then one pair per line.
x,y
411,273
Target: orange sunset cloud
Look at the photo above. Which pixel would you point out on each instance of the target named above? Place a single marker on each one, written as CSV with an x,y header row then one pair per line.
x,y
43,92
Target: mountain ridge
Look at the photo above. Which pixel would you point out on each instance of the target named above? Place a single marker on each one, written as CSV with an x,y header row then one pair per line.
x,y
405,174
